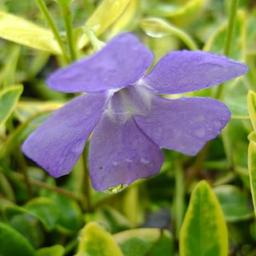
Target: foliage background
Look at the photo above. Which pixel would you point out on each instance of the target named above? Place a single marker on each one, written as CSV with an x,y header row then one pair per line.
x,y
159,216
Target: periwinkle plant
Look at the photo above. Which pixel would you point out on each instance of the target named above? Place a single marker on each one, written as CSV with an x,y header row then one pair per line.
x,y
123,109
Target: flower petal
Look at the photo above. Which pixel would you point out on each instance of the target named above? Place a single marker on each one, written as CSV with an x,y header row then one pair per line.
x,y
57,144
186,71
185,124
121,155
120,63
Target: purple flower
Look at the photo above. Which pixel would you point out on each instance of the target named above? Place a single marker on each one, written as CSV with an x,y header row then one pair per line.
x,y
129,121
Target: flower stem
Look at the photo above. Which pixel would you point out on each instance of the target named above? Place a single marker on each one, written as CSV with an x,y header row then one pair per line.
x,y
184,37
23,168
229,36
231,25
67,16
179,196
43,185
43,8
87,190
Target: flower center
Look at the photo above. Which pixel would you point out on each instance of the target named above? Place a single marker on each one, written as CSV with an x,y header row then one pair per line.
x,y
129,101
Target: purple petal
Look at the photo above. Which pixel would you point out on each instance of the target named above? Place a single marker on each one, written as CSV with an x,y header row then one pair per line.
x,y
186,71
185,124
121,155
57,144
120,63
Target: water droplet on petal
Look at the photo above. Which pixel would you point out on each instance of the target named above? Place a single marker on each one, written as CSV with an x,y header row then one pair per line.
x,y
217,124
200,133
115,163
144,161
116,189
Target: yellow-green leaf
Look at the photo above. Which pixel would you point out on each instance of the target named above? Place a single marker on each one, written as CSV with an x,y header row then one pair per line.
x,y
188,12
252,167
126,18
251,103
103,17
156,27
95,241
204,231
145,241
56,250
8,100
24,32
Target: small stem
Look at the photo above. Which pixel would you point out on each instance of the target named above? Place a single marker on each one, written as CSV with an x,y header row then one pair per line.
x,y
228,41
185,38
87,190
41,184
23,167
42,6
240,117
231,25
66,13
179,196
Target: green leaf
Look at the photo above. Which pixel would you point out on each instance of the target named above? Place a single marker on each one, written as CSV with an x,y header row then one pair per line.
x,y
13,243
158,28
235,203
21,31
126,20
56,250
251,103
204,231
252,167
145,242
95,241
182,14
238,47
45,210
8,101
24,222
103,17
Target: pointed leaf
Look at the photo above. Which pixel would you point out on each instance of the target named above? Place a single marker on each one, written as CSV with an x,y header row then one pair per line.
x,y
103,17
95,241
204,231
252,167
251,102
21,31
234,203
8,100
13,243
45,210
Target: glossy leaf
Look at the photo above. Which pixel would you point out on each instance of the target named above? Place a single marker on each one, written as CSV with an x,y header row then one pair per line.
x,y
103,17
95,241
45,210
158,28
126,19
234,203
26,223
8,101
13,243
24,32
56,250
252,167
251,102
183,13
145,242
204,231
